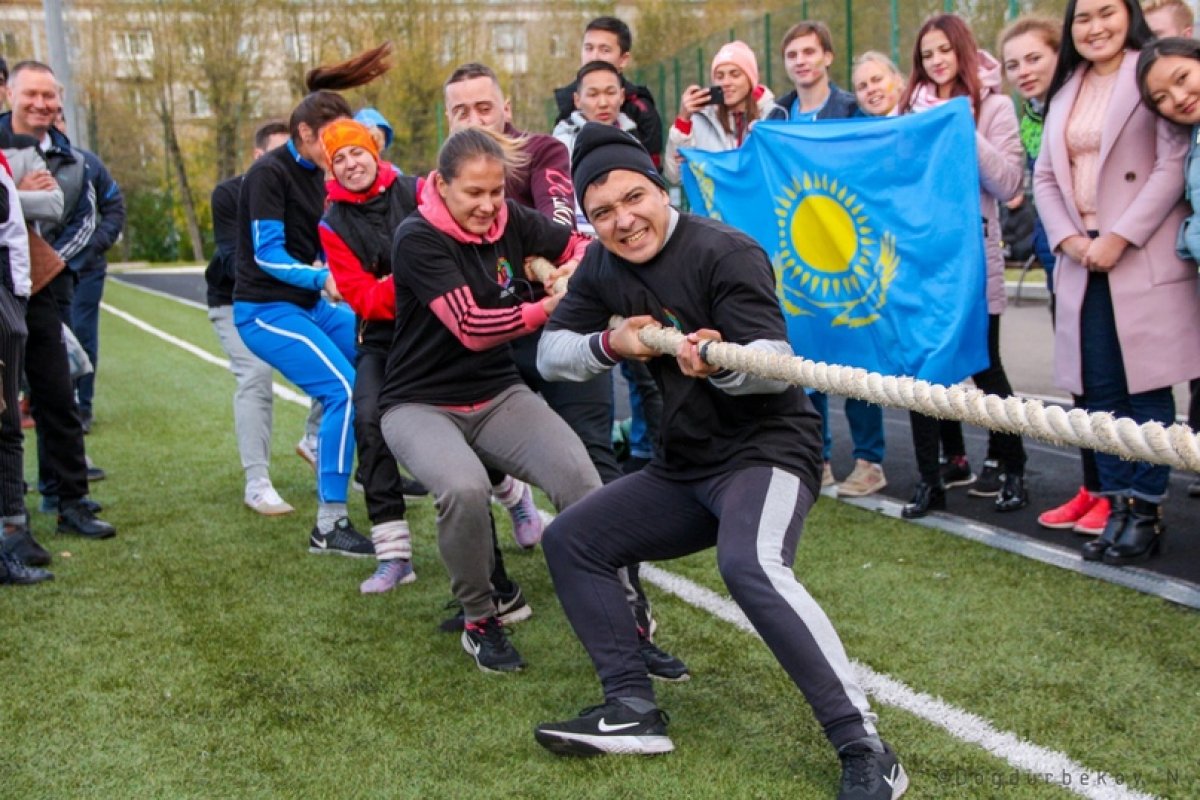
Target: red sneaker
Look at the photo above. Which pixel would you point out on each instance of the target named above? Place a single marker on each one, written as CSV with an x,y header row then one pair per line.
x,y
1065,516
1093,522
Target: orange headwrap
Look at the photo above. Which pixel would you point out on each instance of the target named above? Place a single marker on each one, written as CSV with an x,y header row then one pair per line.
x,y
345,133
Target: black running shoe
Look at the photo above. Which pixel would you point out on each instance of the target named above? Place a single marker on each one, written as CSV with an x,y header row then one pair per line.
x,y
18,541
510,608
870,775
660,664
990,481
956,472
13,571
487,642
343,540
611,728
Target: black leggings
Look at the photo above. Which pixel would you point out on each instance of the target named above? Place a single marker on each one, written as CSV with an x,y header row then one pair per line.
x,y
929,432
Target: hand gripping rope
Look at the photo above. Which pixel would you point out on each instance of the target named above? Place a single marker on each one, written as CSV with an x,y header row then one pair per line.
x,y
1153,442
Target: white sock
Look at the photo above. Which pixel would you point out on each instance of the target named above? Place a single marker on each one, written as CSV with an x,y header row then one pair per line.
x,y
392,540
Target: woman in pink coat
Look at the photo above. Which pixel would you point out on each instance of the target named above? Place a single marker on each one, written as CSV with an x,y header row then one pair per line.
x,y
1109,187
947,63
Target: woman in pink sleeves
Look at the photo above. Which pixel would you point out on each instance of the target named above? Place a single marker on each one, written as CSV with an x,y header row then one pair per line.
x,y
1109,187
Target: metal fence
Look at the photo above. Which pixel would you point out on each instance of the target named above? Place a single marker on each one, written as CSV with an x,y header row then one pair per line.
x,y
886,26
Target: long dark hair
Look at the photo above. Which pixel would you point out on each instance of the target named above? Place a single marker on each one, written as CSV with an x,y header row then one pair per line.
x,y
966,52
1138,36
1185,47
323,104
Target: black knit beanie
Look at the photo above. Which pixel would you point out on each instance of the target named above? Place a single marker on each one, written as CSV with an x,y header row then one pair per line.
x,y
599,149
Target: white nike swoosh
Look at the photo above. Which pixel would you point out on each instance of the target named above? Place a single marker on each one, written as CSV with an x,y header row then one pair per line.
x,y
606,728
890,780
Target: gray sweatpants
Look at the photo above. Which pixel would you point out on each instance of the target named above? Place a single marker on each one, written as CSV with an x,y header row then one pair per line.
x,y
253,398
449,451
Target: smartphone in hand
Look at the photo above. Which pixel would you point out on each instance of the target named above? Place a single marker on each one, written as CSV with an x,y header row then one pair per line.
x,y
716,96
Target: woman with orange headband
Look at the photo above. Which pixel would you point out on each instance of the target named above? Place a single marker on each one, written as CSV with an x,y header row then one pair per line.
x,y
368,199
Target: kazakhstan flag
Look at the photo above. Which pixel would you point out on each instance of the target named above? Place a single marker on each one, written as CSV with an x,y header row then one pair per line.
x,y
875,232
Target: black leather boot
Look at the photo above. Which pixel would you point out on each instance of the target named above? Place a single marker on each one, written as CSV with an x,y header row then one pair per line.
x,y
1142,537
926,497
1118,519
1012,493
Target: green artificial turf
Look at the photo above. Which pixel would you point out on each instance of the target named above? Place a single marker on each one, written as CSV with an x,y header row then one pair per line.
x,y
204,653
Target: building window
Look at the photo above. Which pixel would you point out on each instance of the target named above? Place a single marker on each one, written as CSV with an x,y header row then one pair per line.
x,y
198,104
511,48
297,47
135,45
247,45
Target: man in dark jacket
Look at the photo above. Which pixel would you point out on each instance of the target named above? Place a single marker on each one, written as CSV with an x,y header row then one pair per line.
x,y
609,39
63,472
91,268
807,53
253,399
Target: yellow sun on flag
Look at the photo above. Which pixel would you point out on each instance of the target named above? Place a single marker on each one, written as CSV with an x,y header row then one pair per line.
x,y
829,254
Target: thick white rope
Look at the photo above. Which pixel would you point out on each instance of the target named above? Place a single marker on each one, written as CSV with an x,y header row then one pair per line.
x,y
1153,442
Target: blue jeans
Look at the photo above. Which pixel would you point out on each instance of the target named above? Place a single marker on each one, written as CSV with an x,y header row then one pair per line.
x,y
85,322
1105,389
866,427
314,349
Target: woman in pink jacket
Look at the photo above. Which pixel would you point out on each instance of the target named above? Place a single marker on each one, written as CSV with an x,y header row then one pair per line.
x,y
947,63
1109,187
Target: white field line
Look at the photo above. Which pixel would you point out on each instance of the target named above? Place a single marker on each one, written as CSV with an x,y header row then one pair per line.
x,y
281,391
1040,762
1049,765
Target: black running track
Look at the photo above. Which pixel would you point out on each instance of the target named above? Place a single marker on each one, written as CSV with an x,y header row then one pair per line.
x,y
1052,474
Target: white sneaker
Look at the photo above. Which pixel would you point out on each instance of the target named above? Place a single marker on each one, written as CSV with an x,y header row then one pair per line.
x,y
262,497
306,448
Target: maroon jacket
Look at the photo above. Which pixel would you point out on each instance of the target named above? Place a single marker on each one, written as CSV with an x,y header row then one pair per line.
x,y
545,183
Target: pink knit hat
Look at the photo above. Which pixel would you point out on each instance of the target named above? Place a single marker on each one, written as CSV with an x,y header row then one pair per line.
x,y
741,56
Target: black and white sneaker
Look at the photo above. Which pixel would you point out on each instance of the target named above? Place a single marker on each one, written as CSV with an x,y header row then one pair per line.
x,y
487,641
989,482
955,471
610,728
870,775
511,608
660,664
343,540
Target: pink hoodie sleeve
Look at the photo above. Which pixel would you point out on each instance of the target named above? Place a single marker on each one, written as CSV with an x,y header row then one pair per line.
x,y
484,328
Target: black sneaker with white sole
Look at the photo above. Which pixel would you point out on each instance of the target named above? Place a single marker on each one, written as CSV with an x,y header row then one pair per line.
x,y
990,480
610,728
343,540
868,774
487,642
511,608
955,471
660,664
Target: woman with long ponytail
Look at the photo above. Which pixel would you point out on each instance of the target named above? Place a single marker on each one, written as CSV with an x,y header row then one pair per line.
x,y
286,304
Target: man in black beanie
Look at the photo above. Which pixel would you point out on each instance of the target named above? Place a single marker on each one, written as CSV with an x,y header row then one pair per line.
x,y
738,465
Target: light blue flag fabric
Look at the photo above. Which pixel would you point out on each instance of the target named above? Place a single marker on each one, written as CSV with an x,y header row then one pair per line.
x,y
875,232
